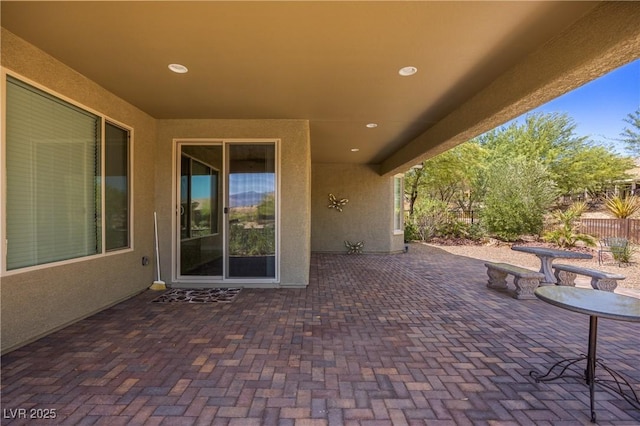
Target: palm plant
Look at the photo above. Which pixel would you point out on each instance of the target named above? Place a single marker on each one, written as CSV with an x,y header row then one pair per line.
x,y
567,230
623,208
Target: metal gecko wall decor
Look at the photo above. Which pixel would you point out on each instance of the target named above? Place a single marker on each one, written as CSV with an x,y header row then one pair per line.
x,y
335,203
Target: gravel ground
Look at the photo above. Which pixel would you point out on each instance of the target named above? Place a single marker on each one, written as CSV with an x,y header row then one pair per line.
x,y
502,252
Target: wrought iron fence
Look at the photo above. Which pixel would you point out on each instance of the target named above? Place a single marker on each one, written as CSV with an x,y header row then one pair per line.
x,y
469,216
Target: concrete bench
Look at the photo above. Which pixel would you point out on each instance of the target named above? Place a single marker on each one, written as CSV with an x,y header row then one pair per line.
x,y
600,280
525,280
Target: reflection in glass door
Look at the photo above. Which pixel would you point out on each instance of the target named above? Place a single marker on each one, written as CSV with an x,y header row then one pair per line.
x,y
201,243
251,218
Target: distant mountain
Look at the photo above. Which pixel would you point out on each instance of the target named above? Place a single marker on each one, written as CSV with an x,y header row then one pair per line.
x,y
246,199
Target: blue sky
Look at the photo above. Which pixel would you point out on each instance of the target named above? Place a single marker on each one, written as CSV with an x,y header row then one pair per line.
x,y
245,182
238,183
599,107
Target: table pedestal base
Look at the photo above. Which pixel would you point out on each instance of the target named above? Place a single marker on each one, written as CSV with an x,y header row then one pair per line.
x,y
613,381
545,268
595,304
616,383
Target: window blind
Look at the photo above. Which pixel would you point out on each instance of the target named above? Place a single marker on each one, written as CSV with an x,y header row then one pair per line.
x,y
53,197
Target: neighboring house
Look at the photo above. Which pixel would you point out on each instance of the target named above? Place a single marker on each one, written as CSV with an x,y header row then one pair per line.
x,y
622,188
630,186
238,157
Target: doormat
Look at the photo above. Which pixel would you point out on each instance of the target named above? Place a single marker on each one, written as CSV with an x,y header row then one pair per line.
x,y
208,295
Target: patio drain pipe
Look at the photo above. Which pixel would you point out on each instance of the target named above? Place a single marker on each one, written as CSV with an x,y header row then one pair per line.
x,y
158,284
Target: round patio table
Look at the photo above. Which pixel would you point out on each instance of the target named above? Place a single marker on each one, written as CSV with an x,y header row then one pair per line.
x,y
594,303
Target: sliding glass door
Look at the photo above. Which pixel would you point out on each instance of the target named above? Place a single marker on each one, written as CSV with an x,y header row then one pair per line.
x,y
201,242
227,195
251,215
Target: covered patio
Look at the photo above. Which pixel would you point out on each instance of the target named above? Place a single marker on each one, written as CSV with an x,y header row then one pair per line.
x,y
413,338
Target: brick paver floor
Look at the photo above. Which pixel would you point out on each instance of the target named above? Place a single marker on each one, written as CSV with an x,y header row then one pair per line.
x,y
413,338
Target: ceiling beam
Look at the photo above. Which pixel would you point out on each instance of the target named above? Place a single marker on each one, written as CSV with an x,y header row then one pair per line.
x,y
601,41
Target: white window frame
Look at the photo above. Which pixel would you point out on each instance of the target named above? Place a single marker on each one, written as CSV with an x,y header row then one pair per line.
x,y
185,281
398,210
3,174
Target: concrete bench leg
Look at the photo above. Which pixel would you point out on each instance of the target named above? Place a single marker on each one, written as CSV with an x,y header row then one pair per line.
x,y
497,279
525,287
565,278
604,284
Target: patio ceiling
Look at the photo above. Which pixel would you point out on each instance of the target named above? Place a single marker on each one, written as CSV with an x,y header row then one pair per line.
x,y
333,63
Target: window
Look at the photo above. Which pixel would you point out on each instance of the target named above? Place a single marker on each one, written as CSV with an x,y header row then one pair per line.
x,y
398,205
199,199
116,183
54,172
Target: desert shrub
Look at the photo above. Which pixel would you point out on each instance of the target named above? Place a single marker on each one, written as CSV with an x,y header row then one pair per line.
x,y
428,216
251,241
519,191
476,232
624,254
460,229
411,232
566,230
453,229
623,208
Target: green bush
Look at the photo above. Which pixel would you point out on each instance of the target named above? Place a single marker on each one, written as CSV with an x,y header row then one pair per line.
x,y
476,232
428,216
623,254
411,232
457,229
567,226
251,241
433,218
519,191
453,229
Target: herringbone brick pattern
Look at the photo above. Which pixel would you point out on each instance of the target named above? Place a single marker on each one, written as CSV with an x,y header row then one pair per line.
x,y
406,339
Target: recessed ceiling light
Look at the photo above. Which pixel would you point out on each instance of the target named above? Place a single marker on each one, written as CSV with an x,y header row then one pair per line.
x,y
178,68
372,125
407,71
355,149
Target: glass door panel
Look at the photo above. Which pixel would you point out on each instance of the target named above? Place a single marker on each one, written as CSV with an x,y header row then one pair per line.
x,y
201,243
251,218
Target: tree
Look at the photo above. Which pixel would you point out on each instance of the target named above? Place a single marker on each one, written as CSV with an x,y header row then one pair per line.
x,y
544,157
453,177
591,168
267,207
542,137
519,192
412,182
631,136
573,163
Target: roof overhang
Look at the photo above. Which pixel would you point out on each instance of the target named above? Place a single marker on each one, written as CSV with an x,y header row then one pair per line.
x,y
336,64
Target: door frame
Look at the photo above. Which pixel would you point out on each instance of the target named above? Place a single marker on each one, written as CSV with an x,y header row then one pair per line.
x,y
181,281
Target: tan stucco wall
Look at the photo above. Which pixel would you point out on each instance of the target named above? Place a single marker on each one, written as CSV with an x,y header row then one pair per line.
x,y
603,40
295,175
368,216
35,303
